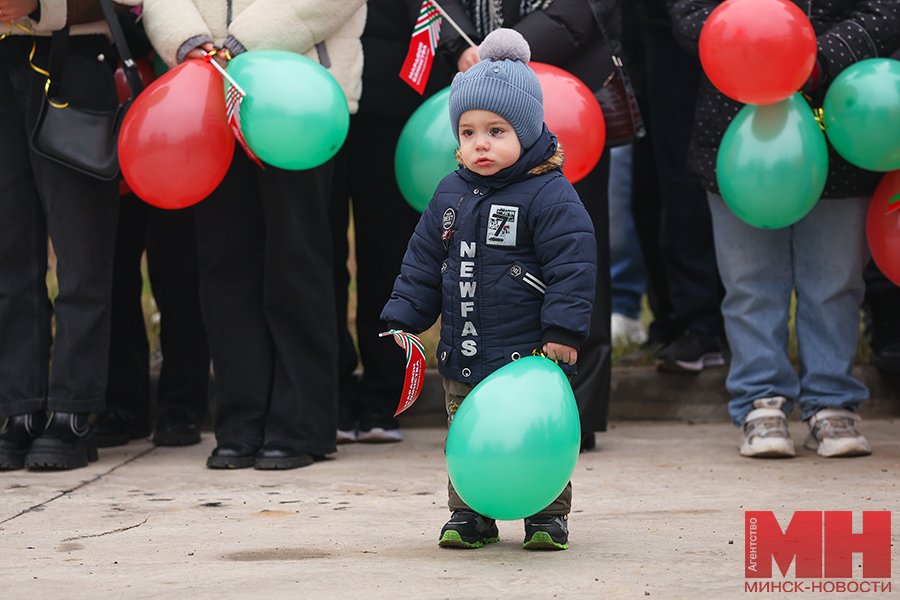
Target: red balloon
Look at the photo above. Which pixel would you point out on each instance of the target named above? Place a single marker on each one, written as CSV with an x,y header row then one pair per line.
x,y
572,112
175,145
145,72
883,226
758,51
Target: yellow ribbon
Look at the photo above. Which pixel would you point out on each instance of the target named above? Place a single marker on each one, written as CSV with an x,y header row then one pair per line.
x,y
819,115
31,59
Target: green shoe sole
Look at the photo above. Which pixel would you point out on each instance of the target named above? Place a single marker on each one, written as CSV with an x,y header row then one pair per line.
x,y
542,541
452,539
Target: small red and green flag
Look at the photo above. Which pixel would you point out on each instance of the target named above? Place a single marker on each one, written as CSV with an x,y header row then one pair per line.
x,y
233,98
415,367
425,36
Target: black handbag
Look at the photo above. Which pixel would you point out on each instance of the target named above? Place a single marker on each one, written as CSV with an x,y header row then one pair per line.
x,y
616,96
83,139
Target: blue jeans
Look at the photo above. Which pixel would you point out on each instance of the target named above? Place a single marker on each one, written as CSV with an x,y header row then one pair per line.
x,y
626,268
821,258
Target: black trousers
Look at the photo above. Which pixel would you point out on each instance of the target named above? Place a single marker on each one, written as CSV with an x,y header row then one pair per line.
x,y
671,213
382,225
592,383
267,295
170,239
79,213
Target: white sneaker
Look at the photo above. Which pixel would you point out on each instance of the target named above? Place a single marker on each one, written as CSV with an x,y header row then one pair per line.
x,y
625,329
765,432
346,437
377,435
832,432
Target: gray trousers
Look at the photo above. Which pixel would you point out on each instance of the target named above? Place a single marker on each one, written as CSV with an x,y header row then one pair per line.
x,y
454,394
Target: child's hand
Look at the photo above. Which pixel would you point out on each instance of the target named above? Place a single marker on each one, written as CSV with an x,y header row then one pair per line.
x,y
468,58
398,340
565,354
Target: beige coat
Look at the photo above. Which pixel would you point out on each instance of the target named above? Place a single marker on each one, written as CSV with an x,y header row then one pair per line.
x,y
53,17
177,26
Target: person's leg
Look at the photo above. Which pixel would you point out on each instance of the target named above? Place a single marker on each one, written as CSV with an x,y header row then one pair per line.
x,y
645,208
126,415
592,383
757,270
686,239
883,319
348,360
183,388
299,307
626,269
25,309
230,242
466,528
383,224
82,217
830,253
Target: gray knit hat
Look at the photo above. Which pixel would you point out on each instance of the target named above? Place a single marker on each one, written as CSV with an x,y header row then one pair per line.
x,y
502,83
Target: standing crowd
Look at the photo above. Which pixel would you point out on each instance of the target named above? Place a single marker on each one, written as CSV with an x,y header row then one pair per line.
x,y
511,257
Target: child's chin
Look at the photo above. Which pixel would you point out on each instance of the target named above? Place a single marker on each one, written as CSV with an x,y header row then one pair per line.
x,y
486,171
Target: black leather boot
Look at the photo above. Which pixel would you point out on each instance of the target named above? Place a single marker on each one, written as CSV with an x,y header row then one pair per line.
x,y
114,427
176,426
65,444
16,437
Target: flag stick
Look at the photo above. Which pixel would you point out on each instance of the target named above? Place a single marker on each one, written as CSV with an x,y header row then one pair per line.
x,y
226,76
453,23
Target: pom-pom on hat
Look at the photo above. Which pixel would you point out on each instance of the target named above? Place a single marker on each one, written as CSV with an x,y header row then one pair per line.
x,y
502,83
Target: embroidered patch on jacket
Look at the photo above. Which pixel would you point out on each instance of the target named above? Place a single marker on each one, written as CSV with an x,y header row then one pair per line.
x,y
502,223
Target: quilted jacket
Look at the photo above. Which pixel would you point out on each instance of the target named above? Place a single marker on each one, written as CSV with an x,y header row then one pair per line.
x,y
507,261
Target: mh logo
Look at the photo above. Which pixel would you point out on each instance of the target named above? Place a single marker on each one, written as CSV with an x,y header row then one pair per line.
x,y
822,543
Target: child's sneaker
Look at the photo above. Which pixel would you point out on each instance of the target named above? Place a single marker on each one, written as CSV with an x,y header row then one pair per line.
x,y
468,529
832,432
765,432
546,532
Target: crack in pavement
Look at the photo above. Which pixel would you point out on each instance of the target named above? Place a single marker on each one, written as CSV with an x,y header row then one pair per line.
x,y
86,483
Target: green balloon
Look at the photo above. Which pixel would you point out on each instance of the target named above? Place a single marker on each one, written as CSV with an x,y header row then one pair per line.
x,y
514,441
772,163
295,114
159,67
425,151
862,114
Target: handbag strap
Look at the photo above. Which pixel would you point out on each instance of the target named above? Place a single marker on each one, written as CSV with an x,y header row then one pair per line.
x,y
616,60
60,42
636,119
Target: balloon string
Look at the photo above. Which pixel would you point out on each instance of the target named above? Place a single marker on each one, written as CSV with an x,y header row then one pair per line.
x,y
31,54
540,353
819,116
210,60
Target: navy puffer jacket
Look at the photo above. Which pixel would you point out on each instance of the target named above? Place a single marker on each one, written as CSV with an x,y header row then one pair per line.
x,y
508,262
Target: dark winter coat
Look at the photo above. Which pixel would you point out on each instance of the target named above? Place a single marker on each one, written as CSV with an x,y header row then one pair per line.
x,y
508,262
847,31
564,34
